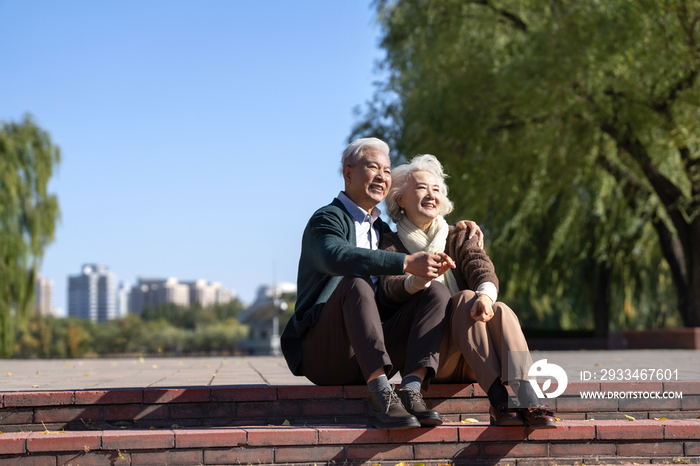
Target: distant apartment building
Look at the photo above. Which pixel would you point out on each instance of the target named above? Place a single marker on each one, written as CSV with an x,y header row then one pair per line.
x,y
43,292
208,294
123,298
93,294
153,292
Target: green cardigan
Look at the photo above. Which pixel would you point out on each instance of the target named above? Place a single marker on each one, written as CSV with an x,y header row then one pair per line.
x,y
329,252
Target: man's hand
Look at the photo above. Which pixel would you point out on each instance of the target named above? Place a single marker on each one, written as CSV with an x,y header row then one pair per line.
x,y
423,264
473,230
482,309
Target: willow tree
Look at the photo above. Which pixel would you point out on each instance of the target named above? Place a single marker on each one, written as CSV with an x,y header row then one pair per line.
x,y
570,129
28,215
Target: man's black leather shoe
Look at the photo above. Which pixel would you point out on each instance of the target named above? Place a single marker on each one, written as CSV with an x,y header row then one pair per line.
x,y
414,404
387,412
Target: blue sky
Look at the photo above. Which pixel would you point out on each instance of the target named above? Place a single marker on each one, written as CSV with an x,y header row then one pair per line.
x,y
197,137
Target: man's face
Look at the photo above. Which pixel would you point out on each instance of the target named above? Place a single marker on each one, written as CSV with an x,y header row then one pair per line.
x,y
368,181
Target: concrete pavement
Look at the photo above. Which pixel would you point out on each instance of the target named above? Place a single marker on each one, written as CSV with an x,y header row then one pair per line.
x,y
159,372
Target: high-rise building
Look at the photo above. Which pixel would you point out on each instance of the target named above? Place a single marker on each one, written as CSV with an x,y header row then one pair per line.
x,y
92,294
43,292
208,294
153,292
225,295
123,298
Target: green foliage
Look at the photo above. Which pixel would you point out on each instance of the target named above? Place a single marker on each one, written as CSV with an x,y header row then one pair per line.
x,y
165,330
28,215
570,131
190,317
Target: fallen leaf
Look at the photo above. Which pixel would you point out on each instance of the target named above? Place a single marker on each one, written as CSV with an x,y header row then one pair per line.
x,y
86,449
35,386
629,418
141,360
469,420
86,374
660,419
419,464
286,423
557,419
38,372
155,366
599,365
591,419
47,431
153,428
175,426
114,364
9,374
403,463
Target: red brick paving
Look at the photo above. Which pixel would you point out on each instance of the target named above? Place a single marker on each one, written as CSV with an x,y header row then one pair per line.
x,y
574,440
64,441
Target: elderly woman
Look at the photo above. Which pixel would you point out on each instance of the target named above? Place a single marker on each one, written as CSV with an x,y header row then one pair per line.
x,y
482,337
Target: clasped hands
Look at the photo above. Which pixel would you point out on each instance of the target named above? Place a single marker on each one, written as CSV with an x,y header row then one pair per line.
x,y
430,266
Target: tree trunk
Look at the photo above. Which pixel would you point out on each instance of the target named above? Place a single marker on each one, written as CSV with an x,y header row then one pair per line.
x,y
682,248
601,307
693,261
7,333
683,258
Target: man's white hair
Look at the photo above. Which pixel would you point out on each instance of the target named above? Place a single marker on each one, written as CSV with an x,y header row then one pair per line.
x,y
354,152
399,180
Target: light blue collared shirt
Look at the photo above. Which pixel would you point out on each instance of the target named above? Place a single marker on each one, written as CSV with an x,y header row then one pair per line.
x,y
366,234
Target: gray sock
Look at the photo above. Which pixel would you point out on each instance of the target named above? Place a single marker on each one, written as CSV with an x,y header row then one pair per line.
x,y
380,384
413,382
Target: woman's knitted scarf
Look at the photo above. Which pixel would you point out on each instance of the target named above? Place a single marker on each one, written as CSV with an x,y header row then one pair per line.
x,y
416,240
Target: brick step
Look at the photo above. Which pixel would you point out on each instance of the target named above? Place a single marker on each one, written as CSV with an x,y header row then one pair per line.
x,y
573,442
299,405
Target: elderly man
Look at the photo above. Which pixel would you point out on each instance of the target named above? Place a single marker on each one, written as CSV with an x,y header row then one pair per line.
x,y
336,336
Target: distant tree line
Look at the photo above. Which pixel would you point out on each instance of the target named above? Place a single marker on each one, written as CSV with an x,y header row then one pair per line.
x,y
164,330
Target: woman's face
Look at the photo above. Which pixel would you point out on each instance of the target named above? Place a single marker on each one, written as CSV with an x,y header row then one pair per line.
x,y
421,201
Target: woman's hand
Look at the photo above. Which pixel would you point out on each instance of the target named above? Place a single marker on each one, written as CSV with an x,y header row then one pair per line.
x,y
482,309
447,263
474,230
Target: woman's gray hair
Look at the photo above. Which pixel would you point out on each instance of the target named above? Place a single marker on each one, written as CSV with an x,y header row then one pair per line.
x,y
354,152
399,180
